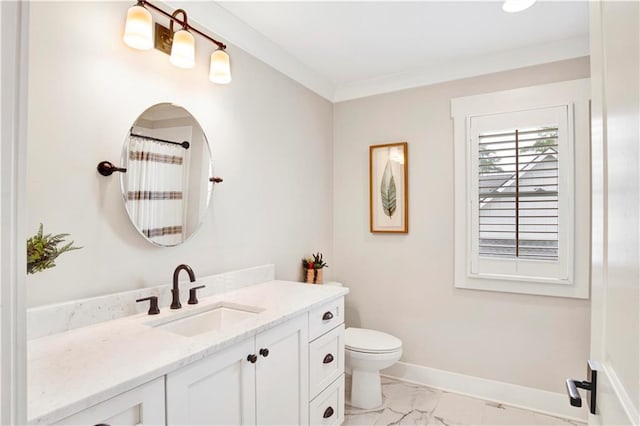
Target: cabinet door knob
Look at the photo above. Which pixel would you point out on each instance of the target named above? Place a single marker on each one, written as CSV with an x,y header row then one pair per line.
x,y
252,358
328,358
264,352
327,316
328,413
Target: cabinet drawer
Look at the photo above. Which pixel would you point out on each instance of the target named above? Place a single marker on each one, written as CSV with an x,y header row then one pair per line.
x,y
328,407
326,317
326,359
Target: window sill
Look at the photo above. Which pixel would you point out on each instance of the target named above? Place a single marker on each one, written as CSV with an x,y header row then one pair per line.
x,y
556,289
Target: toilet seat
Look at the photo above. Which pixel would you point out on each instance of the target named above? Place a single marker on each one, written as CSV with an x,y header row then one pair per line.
x,y
367,341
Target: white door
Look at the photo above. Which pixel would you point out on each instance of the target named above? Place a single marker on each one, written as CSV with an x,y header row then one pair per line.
x,y
615,323
282,374
218,390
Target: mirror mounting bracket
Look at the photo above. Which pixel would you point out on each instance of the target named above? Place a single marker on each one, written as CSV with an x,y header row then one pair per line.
x,y
106,168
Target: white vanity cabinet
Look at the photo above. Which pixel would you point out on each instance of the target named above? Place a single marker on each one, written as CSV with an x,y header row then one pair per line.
x,y
282,374
283,365
326,364
217,390
143,405
263,380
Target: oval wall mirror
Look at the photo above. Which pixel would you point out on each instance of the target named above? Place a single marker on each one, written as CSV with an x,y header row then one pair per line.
x,y
166,187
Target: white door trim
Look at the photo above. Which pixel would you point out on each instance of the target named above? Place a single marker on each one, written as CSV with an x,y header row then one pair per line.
x,y
13,158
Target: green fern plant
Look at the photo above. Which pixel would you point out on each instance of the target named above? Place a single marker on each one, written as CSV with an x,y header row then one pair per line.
x,y
316,262
42,250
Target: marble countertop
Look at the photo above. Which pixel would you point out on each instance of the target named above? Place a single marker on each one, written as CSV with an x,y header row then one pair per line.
x,y
71,371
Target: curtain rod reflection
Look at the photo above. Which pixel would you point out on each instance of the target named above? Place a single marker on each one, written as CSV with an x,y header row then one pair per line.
x,y
184,144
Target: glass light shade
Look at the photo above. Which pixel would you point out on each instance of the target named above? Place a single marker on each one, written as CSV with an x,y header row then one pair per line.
x,y
138,30
183,49
513,6
220,70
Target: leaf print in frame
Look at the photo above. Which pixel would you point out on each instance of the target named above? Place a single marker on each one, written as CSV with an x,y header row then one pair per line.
x,y
388,188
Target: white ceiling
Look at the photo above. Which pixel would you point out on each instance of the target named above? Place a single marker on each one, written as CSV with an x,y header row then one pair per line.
x,y
345,50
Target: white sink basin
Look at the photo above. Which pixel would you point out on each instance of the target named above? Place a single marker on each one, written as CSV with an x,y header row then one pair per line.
x,y
216,317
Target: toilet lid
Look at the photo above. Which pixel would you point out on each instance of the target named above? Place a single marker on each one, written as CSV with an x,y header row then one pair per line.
x,y
370,341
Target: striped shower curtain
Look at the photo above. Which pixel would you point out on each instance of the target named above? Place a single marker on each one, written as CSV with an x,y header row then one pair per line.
x,y
155,193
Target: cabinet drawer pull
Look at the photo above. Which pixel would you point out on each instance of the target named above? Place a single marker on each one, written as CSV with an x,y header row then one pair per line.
x,y
328,358
264,352
327,316
328,413
252,358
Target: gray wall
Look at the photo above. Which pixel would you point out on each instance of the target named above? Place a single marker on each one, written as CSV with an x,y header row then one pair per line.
x,y
271,141
403,284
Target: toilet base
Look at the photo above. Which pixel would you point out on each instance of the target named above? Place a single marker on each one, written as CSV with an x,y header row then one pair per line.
x,y
366,391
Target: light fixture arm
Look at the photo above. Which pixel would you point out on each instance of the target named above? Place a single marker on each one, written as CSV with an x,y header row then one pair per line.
x,y
183,22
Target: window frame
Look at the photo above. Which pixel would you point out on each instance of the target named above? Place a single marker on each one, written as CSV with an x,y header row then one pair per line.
x,y
573,280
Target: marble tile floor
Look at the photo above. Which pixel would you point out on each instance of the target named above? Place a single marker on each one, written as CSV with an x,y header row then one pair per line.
x,y
409,404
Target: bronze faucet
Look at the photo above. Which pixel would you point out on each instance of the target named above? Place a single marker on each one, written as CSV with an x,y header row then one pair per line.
x,y
175,292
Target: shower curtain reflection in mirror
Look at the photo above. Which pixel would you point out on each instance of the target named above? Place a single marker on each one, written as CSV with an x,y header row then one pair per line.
x,y
156,193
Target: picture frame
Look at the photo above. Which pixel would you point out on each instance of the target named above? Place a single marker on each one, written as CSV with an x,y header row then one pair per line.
x,y
388,188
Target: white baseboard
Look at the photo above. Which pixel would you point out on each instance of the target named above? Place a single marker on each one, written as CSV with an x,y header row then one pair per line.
x,y
541,401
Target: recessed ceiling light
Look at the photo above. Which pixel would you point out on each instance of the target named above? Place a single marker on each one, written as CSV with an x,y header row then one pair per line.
x,y
517,5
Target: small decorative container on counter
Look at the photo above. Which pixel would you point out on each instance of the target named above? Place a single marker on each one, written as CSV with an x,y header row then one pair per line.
x,y
313,276
312,269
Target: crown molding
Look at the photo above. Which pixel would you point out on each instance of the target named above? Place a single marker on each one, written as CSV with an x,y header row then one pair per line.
x,y
241,35
449,71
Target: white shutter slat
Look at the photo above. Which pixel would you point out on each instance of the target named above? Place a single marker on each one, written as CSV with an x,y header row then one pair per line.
x,y
518,193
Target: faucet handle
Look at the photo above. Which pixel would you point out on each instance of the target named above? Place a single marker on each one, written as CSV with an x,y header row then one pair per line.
x,y
193,299
153,304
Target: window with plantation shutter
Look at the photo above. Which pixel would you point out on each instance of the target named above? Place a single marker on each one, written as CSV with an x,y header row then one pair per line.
x,y
518,193
521,184
521,205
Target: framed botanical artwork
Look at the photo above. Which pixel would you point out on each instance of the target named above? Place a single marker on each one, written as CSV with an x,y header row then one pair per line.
x,y
388,188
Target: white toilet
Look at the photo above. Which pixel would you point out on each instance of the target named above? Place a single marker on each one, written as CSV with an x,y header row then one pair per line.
x,y
366,353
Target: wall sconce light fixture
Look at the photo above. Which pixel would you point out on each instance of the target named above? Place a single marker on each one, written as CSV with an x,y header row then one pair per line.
x,y
219,69
138,32
180,44
183,48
